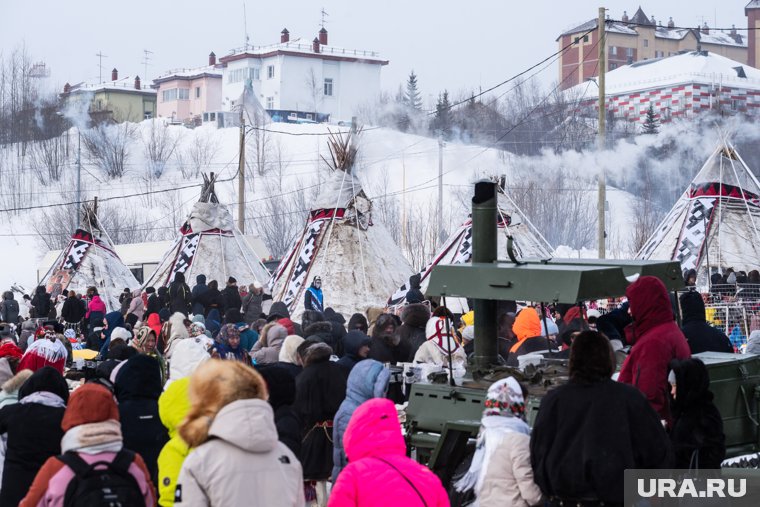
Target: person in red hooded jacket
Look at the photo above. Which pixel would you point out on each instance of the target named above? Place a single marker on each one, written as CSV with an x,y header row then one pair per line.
x,y
656,339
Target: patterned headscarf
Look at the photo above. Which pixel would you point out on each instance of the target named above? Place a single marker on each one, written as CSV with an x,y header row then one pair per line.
x,y
228,331
505,398
141,338
197,329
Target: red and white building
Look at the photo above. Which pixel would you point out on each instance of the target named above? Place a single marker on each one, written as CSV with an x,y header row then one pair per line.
x,y
676,86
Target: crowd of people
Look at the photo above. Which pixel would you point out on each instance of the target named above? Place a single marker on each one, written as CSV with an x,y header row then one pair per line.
x,y
305,412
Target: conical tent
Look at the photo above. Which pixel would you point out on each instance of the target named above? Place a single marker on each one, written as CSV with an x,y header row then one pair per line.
x,y
209,244
90,260
357,260
511,221
716,222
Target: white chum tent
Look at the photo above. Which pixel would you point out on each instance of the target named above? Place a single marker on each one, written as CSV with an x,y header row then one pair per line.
x,y
209,244
511,221
90,260
716,221
357,259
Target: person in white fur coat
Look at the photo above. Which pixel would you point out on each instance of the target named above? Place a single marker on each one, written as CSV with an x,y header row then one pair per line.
x,y
440,340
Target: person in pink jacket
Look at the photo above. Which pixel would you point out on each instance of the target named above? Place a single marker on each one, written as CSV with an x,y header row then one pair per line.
x,y
379,473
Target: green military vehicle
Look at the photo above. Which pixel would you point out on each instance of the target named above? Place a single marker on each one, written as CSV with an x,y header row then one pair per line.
x,y
442,420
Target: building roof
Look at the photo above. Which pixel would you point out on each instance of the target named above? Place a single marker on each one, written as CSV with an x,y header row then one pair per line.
x,y
692,67
754,4
304,47
641,19
189,74
124,85
591,24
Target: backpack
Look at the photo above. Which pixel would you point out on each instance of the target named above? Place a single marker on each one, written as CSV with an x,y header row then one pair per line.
x,y
102,483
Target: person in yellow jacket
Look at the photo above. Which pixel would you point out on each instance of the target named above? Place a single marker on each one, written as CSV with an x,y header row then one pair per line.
x,y
173,406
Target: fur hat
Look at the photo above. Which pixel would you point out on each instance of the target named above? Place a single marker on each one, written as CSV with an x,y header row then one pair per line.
x,y
591,358
90,403
215,384
435,332
505,398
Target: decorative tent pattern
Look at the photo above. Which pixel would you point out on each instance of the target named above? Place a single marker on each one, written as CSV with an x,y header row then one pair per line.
x,y
357,259
511,221
90,260
210,244
716,221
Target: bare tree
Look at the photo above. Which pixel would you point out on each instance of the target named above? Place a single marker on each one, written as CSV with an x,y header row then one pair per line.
x,y
48,158
280,218
200,154
387,206
316,91
260,145
108,147
159,146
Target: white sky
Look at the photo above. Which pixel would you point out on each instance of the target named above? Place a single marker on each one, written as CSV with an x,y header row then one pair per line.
x,y
452,44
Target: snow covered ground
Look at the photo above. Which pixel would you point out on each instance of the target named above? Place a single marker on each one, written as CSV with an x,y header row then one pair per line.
x,y
392,163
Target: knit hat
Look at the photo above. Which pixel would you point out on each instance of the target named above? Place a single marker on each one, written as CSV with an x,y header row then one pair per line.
x,y
435,331
287,324
90,403
231,280
505,398
70,334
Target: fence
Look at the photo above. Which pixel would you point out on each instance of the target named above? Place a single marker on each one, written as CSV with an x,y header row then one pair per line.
x,y
734,309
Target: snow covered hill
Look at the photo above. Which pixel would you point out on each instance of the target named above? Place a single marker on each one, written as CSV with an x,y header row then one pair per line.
x,y
285,170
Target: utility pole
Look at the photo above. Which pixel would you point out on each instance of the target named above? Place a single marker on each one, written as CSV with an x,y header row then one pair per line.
x,y
100,56
602,127
241,174
439,211
79,176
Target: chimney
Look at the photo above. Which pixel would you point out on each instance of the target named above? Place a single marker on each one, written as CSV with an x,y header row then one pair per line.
x,y
323,36
66,88
212,58
671,24
733,30
624,19
114,75
137,83
653,21
315,45
284,36
705,29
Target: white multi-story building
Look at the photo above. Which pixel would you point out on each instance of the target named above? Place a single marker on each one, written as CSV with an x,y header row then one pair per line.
x,y
301,79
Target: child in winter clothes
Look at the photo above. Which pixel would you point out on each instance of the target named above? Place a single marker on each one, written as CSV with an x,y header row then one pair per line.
x,y
92,434
237,459
173,406
440,340
379,473
500,472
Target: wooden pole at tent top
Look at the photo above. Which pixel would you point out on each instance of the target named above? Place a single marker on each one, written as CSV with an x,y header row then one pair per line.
x,y
241,176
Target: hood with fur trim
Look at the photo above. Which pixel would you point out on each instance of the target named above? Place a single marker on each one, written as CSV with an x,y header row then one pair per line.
x,y
415,315
13,384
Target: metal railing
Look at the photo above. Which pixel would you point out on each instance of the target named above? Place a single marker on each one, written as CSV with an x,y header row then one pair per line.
x,y
297,46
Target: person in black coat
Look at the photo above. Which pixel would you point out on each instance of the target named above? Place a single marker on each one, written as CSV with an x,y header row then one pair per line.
x,y
702,337
414,317
34,431
414,294
590,430
358,322
197,295
282,394
212,299
137,388
697,432
356,348
231,296
72,311
163,297
179,295
320,389
387,346
338,323
41,303
154,303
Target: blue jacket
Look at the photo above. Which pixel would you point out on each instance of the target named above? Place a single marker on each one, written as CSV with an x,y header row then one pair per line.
x,y
114,319
368,379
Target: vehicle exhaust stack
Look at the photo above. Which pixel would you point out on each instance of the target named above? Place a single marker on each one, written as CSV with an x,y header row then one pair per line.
x,y
484,250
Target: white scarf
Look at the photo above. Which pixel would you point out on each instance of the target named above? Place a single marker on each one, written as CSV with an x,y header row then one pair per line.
x,y
44,398
93,438
493,429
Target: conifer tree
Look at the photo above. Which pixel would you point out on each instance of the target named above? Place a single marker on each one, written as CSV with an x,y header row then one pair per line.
x,y
651,122
412,96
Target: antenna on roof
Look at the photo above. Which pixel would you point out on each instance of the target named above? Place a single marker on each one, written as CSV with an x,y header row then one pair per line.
x,y
324,15
100,56
245,27
145,62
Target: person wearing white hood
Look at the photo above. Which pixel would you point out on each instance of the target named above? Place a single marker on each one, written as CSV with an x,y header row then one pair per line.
x,y
753,343
188,354
500,472
440,341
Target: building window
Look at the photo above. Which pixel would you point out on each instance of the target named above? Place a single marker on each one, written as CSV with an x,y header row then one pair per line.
x,y
183,93
205,116
646,43
148,115
169,95
585,38
270,102
613,50
212,116
197,92
577,40
328,87
253,74
613,66
270,71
